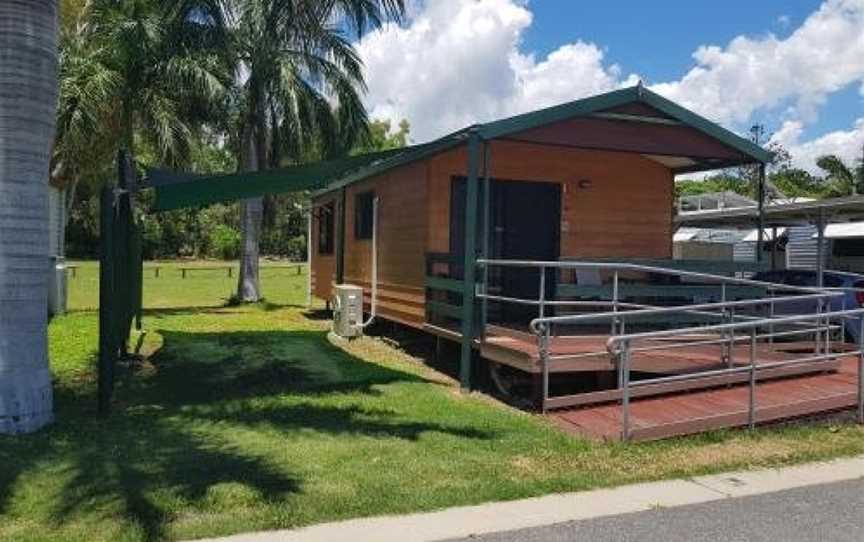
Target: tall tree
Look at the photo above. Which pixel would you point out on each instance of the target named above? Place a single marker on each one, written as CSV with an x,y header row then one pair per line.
x,y
28,98
299,86
137,71
842,179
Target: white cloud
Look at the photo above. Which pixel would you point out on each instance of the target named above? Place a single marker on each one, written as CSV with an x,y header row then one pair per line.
x,y
457,62
847,144
824,55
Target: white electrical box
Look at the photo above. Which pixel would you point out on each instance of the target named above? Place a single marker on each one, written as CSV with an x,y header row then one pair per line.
x,y
348,310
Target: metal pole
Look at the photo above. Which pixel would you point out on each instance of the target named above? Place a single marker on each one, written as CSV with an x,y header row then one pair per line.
x,y
724,317
615,301
817,345
731,360
469,261
625,391
861,369
542,297
773,248
771,315
820,249
752,403
828,327
340,240
544,366
487,195
620,367
761,220
308,257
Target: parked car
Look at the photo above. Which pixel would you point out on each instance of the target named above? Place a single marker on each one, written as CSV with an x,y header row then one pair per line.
x,y
851,299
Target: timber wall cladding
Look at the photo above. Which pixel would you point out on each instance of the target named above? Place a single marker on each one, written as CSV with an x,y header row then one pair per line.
x,y
402,224
626,212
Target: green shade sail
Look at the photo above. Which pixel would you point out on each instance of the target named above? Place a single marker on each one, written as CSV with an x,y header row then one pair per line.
x,y
177,190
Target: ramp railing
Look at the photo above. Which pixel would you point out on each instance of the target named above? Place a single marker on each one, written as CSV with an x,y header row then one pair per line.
x,y
728,324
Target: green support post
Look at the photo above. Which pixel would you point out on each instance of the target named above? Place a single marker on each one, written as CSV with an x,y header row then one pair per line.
x,y
470,260
107,345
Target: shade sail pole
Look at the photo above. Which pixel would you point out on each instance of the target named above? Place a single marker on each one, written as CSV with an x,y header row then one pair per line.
x,y
309,256
469,261
761,221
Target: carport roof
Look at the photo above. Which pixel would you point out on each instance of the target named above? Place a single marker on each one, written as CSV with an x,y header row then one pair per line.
x,y
834,210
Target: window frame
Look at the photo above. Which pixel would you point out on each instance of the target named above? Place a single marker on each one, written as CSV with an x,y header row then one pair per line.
x,y
364,215
326,228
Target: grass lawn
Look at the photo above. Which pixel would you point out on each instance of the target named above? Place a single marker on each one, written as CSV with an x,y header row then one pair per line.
x,y
248,418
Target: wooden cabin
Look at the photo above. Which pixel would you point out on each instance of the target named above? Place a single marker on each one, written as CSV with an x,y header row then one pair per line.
x,y
468,227
588,179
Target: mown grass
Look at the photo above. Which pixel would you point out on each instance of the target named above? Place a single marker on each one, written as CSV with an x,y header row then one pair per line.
x,y
248,418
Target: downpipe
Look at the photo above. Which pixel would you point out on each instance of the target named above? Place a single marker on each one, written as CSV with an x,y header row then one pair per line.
x,y
373,302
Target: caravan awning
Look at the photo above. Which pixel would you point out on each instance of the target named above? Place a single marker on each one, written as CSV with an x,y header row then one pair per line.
x,y
788,214
848,230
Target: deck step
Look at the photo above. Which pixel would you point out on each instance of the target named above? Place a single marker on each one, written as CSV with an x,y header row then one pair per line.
x,y
694,384
698,411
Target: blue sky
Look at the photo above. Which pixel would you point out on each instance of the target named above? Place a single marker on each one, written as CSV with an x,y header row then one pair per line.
x,y
657,39
795,66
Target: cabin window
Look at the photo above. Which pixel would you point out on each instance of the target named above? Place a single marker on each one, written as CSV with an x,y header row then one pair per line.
x,y
326,228
849,247
363,215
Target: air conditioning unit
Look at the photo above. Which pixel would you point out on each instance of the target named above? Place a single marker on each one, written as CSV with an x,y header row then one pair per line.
x,y
348,310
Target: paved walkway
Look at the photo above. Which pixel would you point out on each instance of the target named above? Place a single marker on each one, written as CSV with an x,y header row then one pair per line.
x,y
486,519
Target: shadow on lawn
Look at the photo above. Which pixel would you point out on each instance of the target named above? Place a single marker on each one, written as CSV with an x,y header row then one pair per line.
x,y
166,444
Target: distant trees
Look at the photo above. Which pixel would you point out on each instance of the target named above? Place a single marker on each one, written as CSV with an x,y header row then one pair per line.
x,y
299,85
783,180
841,179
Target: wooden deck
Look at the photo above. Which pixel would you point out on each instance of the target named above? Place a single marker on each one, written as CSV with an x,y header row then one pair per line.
x,y
519,349
695,412
695,405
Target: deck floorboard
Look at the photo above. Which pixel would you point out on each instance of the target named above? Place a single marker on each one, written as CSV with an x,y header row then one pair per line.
x,y
697,411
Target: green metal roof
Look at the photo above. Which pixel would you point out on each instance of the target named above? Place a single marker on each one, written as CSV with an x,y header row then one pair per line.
x,y
638,93
175,191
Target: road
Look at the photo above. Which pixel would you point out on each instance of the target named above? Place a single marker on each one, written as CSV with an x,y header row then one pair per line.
x,y
824,513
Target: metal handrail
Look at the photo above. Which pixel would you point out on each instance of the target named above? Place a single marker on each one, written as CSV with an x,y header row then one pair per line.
x,y
819,324
612,341
612,266
572,318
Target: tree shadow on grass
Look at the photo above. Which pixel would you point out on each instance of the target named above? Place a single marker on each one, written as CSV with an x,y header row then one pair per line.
x,y
167,446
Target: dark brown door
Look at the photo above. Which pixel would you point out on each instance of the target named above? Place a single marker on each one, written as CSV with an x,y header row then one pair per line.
x,y
525,225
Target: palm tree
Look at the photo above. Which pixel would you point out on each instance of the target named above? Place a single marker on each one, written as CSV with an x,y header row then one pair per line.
x,y
843,180
28,97
133,71
294,62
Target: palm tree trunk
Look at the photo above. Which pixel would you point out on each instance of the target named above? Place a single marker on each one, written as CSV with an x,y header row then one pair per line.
x,y
28,99
251,212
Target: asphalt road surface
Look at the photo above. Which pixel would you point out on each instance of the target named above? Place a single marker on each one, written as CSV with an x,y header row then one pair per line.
x,y
821,513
